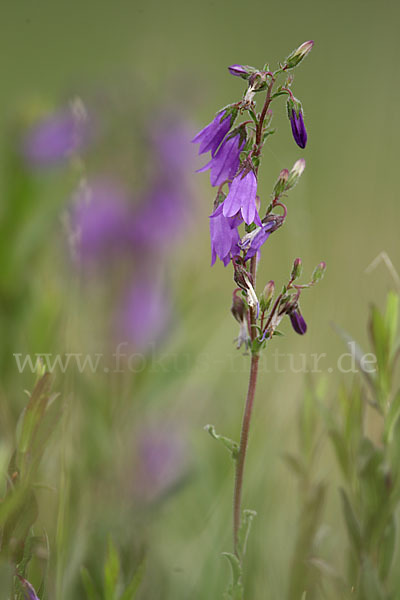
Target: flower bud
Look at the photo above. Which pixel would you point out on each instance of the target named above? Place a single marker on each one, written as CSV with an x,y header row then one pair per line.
x,y
280,185
295,114
318,272
243,71
295,173
298,322
297,269
267,295
297,55
238,308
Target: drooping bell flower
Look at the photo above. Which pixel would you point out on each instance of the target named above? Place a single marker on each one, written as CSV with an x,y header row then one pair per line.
x,y
225,163
298,127
212,135
224,236
242,197
297,321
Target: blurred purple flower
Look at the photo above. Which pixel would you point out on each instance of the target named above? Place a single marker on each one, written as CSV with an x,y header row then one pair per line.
x,y
27,588
224,236
102,219
161,461
212,135
298,322
225,163
242,197
298,128
55,138
145,314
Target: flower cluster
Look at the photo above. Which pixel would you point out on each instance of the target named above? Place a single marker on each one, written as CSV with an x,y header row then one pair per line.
x,y
238,225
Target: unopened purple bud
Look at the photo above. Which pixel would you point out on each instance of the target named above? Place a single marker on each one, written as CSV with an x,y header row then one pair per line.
x,y
241,71
298,128
297,269
298,322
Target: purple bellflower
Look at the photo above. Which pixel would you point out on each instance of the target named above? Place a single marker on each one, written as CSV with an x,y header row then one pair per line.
x,y
298,128
298,322
242,197
212,135
225,163
224,236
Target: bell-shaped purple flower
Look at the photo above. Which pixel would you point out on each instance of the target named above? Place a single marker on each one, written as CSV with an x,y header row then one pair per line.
x,y
298,322
242,197
224,236
298,128
225,163
212,135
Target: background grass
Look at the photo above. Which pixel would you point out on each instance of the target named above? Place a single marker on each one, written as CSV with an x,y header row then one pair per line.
x,y
345,211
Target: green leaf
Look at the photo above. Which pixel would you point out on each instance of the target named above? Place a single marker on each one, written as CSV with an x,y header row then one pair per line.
x,y
232,446
391,419
88,584
130,591
387,548
235,589
391,318
244,530
371,587
353,527
111,572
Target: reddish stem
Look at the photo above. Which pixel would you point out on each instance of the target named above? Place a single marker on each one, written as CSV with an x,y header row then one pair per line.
x,y
237,498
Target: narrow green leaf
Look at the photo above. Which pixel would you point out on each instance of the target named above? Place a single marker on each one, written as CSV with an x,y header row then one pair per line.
x,y
232,446
244,530
353,527
130,591
111,572
88,584
235,589
391,319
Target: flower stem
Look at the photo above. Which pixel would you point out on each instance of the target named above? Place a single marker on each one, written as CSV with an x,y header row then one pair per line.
x,y
240,460
237,498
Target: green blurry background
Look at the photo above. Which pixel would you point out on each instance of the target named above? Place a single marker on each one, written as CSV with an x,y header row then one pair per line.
x,y
345,211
